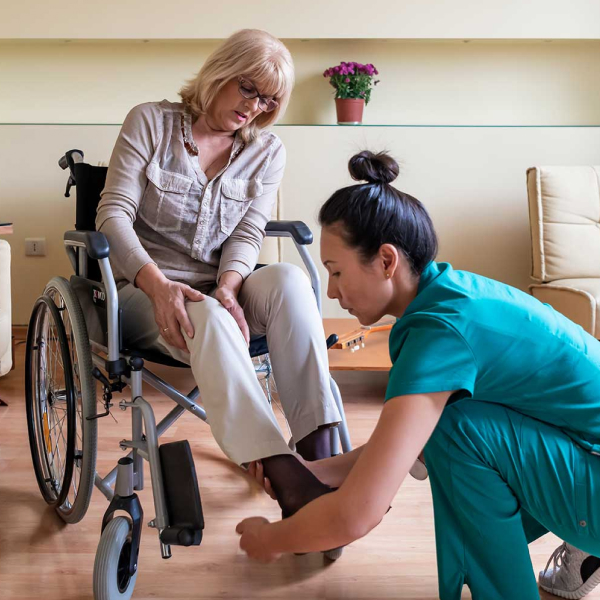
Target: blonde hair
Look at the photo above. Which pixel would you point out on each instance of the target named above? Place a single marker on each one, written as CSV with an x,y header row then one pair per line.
x,y
251,52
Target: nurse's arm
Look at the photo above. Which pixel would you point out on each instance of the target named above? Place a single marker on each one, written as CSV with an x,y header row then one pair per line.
x,y
338,518
333,471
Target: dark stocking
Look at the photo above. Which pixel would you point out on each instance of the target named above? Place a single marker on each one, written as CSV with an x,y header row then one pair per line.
x,y
315,445
293,484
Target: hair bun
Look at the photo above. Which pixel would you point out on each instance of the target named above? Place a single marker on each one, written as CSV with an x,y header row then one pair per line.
x,y
373,168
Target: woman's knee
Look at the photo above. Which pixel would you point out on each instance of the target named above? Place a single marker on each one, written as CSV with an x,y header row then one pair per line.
x,y
291,281
207,312
281,281
286,275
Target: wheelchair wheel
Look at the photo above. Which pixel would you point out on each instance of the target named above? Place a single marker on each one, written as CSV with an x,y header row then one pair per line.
x,y
112,580
76,503
50,402
60,394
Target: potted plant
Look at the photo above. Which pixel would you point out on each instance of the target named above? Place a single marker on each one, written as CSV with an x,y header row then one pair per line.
x,y
353,83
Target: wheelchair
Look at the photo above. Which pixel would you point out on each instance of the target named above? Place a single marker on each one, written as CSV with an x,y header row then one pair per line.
x,y
74,341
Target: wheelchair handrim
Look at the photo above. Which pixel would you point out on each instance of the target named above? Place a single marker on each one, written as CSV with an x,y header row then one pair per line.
x,y
67,505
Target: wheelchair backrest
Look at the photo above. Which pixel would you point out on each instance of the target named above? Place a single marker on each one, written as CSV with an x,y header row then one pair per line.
x,y
89,182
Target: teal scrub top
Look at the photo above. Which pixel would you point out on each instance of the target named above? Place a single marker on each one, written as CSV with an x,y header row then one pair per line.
x,y
494,343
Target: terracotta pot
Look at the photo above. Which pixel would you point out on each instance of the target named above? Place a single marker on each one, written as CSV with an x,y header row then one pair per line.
x,y
349,110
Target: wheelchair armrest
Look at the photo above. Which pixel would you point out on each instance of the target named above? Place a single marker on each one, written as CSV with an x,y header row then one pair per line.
x,y
94,242
296,229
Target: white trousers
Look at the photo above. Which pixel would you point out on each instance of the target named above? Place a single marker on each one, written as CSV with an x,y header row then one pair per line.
x,y
278,302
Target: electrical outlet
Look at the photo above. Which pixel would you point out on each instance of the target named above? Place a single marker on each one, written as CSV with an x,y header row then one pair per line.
x,y
35,246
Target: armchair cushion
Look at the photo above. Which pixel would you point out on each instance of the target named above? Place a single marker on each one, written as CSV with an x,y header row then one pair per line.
x,y
564,211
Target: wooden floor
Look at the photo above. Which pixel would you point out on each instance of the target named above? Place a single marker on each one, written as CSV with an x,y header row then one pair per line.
x,y
41,558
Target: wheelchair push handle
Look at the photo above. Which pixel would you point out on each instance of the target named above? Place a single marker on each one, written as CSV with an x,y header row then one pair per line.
x,y
70,159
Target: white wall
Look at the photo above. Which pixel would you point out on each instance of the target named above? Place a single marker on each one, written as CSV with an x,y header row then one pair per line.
x,y
501,83
409,19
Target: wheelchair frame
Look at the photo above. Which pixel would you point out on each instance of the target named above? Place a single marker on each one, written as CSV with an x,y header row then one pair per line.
x,y
148,449
121,370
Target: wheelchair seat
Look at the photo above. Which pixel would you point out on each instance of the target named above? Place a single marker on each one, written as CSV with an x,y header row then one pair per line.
x,y
258,347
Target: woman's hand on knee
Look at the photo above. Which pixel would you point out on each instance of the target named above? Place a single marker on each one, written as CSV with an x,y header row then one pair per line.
x,y
170,313
228,300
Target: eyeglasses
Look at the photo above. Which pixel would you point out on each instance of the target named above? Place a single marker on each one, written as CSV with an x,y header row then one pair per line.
x,y
248,91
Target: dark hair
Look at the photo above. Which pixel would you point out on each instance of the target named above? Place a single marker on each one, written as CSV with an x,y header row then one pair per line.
x,y
375,213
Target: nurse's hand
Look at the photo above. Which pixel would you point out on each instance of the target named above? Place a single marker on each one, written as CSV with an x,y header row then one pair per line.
x,y
257,472
252,542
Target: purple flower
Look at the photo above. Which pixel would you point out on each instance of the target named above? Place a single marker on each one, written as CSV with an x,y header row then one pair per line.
x,y
353,77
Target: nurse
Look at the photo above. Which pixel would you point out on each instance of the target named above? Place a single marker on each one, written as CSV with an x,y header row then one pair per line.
x,y
501,391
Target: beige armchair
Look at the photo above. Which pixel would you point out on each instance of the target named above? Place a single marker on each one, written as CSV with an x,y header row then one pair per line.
x,y
5,309
564,214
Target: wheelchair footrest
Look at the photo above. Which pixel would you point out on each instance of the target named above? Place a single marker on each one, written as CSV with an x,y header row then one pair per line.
x,y
182,495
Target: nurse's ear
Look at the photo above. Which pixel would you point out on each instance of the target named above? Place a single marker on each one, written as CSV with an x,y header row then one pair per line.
x,y
389,260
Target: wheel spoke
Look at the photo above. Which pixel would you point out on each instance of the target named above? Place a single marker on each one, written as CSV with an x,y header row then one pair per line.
x,y
55,379
56,468
57,422
39,407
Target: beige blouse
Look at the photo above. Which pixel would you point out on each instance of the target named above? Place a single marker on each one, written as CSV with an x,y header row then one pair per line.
x,y
159,207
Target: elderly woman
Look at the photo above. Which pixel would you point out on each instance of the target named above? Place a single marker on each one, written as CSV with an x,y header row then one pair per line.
x,y
190,188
